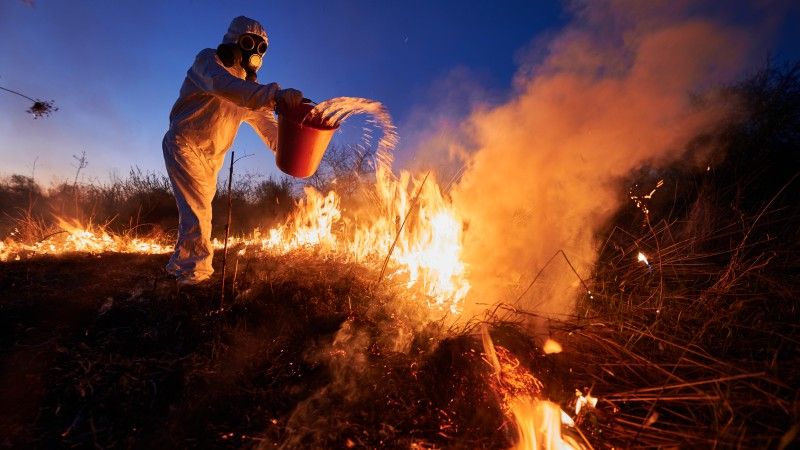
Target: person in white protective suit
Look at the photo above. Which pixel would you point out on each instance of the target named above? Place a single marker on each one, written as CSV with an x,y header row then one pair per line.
x,y
219,93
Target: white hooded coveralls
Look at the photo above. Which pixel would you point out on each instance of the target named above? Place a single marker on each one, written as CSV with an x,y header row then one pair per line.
x,y
213,102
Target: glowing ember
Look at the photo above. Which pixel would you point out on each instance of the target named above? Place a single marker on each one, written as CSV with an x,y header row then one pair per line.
x,y
643,258
551,346
584,401
640,201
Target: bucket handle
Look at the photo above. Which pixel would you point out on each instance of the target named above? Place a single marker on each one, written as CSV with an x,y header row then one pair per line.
x,y
305,100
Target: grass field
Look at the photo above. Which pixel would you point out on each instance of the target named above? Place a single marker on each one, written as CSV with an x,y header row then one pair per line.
x,y
694,346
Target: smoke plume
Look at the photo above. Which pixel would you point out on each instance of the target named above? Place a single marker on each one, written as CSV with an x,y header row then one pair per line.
x,y
616,89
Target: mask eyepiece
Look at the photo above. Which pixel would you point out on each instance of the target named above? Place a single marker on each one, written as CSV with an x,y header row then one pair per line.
x,y
247,42
250,43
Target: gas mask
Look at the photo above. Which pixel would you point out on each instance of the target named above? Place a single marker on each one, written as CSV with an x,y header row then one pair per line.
x,y
247,53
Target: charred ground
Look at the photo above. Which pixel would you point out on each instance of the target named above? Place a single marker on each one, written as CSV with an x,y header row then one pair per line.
x,y
105,351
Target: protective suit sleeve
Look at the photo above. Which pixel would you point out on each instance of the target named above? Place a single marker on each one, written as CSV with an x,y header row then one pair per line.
x,y
210,76
265,125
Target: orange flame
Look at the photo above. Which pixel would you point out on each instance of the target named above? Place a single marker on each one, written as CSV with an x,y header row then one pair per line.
x,y
74,237
425,250
538,422
539,426
310,225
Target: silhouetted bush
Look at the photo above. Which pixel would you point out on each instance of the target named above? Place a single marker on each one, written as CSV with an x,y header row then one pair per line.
x,y
141,203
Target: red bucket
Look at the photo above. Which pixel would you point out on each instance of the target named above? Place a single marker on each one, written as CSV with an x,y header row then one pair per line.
x,y
300,145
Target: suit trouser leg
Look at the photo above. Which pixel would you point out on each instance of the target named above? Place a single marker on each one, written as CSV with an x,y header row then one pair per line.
x,y
194,185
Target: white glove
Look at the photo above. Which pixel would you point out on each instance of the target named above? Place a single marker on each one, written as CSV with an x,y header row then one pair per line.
x,y
289,97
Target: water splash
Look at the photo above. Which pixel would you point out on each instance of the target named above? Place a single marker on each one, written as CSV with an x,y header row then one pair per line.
x,y
332,112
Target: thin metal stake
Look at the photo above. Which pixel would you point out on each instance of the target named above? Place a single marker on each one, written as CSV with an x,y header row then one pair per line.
x,y
227,233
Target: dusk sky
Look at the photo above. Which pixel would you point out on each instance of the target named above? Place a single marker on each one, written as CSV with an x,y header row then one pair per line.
x,y
114,68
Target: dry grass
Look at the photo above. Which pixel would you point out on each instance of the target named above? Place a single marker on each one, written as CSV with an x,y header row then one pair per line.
x,y
698,349
139,204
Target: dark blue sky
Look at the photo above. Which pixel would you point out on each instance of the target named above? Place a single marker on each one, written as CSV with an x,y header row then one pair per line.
x,y
114,68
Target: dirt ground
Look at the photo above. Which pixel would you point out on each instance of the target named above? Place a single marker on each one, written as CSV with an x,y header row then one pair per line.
x,y
105,351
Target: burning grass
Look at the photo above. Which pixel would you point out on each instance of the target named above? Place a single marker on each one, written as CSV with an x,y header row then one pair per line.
x,y
314,354
686,336
696,343
137,205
